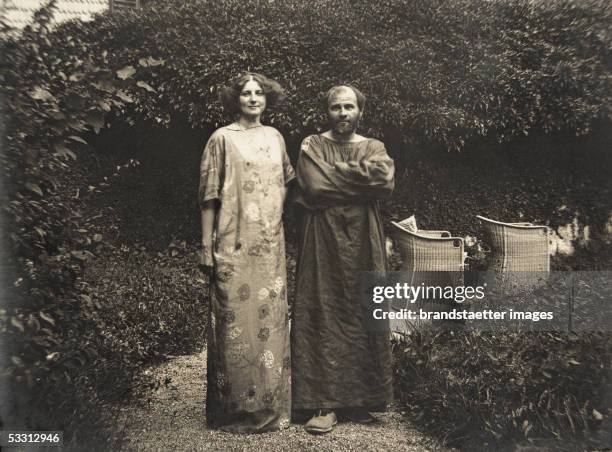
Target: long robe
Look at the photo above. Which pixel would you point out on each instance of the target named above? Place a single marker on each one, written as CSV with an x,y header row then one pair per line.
x,y
336,362
248,338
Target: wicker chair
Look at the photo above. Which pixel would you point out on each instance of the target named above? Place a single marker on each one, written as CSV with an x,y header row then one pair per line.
x,y
519,254
433,258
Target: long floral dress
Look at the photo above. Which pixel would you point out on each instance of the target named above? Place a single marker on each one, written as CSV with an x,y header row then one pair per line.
x,y
249,361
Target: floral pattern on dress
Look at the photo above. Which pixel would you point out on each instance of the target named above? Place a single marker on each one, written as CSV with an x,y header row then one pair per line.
x,y
264,311
255,250
244,292
234,332
284,423
263,294
224,385
248,329
249,186
267,359
252,212
264,334
268,398
228,317
278,284
248,398
224,272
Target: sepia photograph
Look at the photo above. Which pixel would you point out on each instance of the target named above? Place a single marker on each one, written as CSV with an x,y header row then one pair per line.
x,y
291,225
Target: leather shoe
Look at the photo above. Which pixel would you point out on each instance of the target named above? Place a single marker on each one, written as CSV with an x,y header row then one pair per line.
x,y
321,423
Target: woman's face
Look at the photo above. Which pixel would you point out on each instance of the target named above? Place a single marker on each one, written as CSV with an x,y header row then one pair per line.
x,y
252,99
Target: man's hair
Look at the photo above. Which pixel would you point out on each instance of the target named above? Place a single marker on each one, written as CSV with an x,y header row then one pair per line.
x,y
229,95
361,99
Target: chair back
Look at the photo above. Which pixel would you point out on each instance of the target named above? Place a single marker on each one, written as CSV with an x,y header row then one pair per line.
x,y
519,247
430,258
519,252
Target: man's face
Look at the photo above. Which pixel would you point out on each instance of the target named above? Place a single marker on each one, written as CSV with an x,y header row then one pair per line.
x,y
343,112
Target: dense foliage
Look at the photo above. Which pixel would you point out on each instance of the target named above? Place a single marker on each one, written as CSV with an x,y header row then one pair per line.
x,y
482,390
435,72
58,327
551,180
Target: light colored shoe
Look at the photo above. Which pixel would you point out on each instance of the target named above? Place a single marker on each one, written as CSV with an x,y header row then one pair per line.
x,y
321,423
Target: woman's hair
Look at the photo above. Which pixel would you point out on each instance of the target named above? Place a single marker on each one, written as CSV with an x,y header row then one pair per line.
x,y
229,95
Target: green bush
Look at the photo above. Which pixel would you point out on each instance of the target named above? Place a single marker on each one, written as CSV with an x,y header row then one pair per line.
x,y
148,304
482,390
60,362
434,71
540,179
503,69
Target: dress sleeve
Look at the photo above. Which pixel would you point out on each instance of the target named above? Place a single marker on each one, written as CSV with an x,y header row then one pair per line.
x,y
212,169
288,172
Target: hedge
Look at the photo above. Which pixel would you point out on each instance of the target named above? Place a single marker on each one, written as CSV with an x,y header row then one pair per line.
x,y
440,72
486,391
436,71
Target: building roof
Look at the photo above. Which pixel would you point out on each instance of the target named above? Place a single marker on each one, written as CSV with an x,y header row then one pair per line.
x,y
19,13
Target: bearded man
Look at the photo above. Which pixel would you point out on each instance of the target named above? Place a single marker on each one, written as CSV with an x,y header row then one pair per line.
x,y
339,368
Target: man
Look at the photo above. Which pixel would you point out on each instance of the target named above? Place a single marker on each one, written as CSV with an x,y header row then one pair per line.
x,y
338,367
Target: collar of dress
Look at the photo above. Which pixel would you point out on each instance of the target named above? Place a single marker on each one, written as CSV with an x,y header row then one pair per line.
x,y
238,127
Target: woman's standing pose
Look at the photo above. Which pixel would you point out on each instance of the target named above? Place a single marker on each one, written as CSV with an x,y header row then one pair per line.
x,y
243,175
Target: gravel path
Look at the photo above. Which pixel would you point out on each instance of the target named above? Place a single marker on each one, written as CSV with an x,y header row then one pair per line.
x,y
173,419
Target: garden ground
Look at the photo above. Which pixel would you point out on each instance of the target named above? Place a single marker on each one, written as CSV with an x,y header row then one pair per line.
x,y
171,417
93,301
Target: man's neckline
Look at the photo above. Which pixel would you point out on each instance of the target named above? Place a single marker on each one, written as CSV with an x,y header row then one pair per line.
x,y
344,142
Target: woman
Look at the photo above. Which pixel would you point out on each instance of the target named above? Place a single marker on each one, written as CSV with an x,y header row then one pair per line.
x,y
243,175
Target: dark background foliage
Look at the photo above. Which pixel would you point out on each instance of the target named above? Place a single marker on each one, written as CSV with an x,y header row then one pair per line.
x,y
434,71
104,123
484,390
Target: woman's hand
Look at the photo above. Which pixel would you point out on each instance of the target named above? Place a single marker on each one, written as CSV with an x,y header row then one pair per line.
x,y
205,264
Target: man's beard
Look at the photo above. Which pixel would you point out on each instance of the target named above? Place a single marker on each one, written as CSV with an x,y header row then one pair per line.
x,y
349,128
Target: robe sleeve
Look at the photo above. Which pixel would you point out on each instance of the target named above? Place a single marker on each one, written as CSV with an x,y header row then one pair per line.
x,y
374,173
365,180
212,169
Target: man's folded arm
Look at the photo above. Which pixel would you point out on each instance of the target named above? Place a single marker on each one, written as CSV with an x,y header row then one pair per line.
x,y
374,173
315,180
370,178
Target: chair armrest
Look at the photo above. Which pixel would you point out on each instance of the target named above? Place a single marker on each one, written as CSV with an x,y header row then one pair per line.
x,y
434,234
526,225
